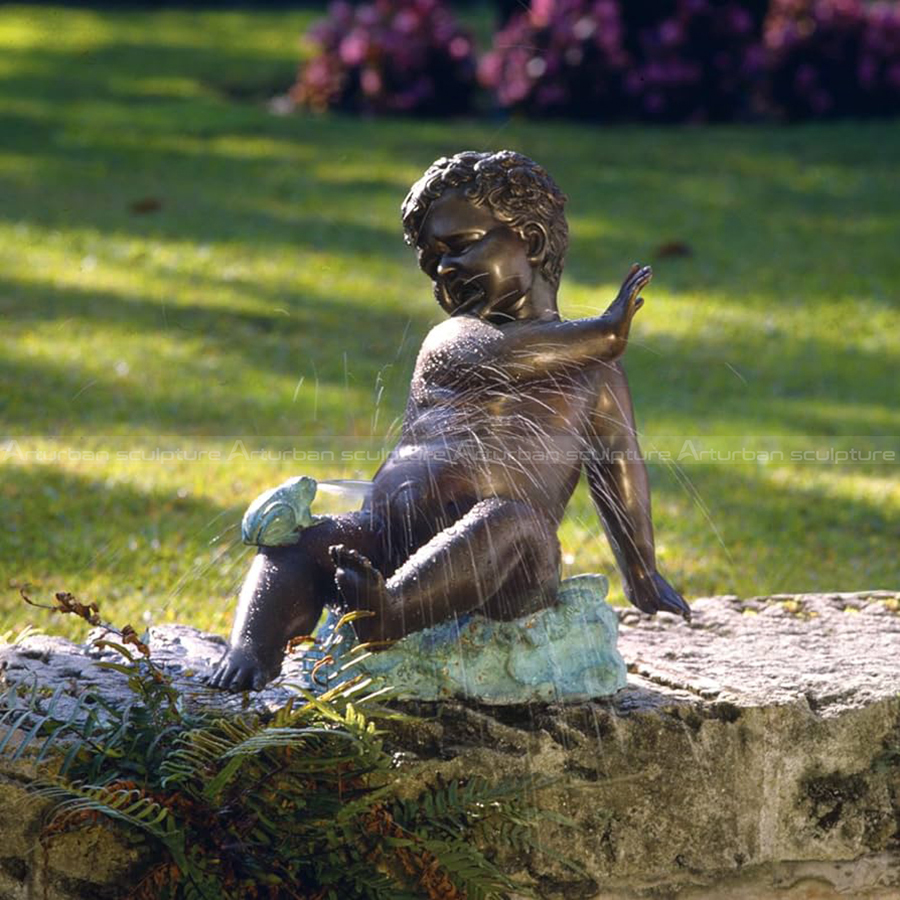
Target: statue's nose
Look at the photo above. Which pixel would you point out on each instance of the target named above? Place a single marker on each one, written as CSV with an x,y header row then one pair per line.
x,y
445,268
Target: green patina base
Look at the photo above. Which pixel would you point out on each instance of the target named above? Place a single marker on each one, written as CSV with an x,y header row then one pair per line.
x,y
567,652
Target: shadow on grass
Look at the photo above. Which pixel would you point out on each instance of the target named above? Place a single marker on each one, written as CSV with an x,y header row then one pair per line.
x,y
773,215
218,397
118,129
727,549
792,385
789,385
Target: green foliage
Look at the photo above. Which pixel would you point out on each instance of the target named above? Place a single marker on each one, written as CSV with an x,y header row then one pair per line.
x,y
301,803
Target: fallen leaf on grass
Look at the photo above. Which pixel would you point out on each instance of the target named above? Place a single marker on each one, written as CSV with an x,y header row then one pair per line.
x,y
673,248
145,205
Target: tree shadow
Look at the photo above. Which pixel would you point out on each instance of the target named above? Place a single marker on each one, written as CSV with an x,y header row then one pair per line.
x,y
254,382
263,181
756,533
770,386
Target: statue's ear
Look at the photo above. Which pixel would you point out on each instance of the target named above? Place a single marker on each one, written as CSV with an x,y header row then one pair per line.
x,y
536,236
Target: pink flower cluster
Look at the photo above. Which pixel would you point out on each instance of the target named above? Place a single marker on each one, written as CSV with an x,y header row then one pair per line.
x,y
561,57
389,56
833,57
698,64
608,60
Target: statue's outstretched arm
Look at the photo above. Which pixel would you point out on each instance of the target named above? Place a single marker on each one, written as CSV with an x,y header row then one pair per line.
x,y
552,347
617,477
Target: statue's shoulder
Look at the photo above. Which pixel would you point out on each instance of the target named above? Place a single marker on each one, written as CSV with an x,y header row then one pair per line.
x,y
460,338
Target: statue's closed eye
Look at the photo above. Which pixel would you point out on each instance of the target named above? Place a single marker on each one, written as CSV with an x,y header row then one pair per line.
x,y
427,259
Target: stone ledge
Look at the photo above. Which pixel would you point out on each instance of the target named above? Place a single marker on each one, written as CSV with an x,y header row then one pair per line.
x,y
755,753
833,651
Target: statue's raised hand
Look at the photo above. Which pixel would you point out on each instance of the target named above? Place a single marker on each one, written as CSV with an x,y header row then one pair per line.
x,y
629,299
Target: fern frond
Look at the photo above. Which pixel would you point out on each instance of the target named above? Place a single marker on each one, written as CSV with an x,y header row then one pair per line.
x,y
201,749
275,738
468,868
126,805
300,804
34,719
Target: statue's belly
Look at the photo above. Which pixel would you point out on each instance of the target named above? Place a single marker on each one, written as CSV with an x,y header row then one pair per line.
x,y
423,479
524,445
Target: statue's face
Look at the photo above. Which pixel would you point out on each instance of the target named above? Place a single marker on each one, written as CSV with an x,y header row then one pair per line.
x,y
478,264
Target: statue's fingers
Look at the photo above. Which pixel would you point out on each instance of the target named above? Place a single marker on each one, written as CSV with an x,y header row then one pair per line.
x,y
641,282
638,279
629,278
228,674
226,677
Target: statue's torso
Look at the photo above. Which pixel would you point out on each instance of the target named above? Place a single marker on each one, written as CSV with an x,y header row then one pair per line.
x,y
477,426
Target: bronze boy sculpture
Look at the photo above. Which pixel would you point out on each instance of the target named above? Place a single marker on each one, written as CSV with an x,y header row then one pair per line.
x,y
507,403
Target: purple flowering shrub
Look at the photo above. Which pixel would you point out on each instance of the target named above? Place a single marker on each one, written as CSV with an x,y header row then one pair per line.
x,y
878,68
683,60
657,60
700,63
560,57
389,56
833,58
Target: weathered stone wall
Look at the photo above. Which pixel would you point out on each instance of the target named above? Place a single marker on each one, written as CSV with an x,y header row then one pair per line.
x,y
755,753
95,863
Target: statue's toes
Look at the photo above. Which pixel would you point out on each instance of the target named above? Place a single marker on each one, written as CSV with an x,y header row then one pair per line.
x,y
349,560
357,580
238,672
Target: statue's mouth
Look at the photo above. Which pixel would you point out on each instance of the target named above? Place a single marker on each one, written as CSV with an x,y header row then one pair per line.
x,y
465,295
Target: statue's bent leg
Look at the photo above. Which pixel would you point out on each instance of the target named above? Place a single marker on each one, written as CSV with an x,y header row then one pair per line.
x,y
283,595
501,557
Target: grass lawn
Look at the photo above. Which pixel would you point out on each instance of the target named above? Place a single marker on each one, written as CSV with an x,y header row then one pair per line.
x,y
269,300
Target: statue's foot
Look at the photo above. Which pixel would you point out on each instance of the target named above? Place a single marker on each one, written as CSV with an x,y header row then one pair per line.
x,y
359,583
240,670
655,594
